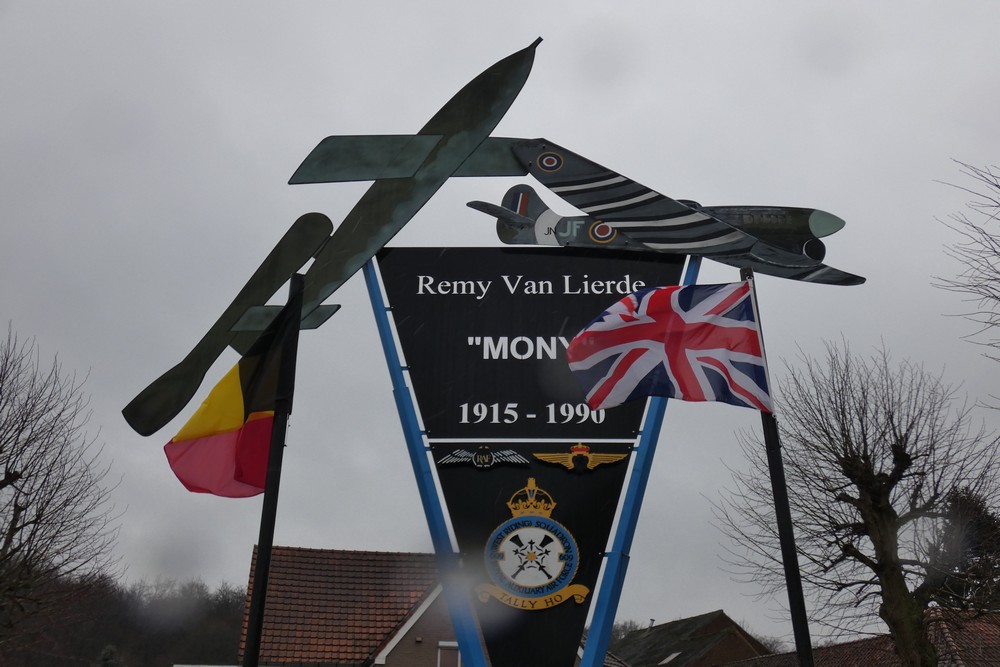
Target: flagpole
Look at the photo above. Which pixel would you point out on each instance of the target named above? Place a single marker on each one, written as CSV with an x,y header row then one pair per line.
x,y
269,511
783,515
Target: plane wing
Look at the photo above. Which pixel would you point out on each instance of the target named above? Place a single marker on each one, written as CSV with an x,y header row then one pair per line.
x,y
375,156
641,217
365,158
817,273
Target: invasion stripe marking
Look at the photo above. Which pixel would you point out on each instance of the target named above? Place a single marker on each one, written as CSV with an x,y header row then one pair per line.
x,y
621,204
665,217
695,231
688,235
616,194
682,234
730,238
579,179
666,222
586,186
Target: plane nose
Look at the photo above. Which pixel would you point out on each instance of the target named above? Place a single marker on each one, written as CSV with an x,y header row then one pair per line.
x,y
814,249
823,224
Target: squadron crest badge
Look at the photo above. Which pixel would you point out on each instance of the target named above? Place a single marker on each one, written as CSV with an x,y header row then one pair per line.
x,y
531,557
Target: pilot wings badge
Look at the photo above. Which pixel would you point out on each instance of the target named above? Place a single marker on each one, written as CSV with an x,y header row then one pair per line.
x,y
483,457
591,459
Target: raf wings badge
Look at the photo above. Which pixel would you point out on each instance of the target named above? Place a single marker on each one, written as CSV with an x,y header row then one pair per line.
x,y
591,459
532,558
483,457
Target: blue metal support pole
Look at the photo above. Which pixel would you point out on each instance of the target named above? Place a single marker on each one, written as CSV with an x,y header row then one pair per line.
x,y
616,563
462,620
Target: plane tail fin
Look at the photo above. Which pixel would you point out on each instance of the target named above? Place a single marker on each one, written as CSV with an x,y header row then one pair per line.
x,y
523,218
523,200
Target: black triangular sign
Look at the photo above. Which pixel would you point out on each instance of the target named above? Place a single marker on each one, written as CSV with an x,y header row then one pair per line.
x,y
530,476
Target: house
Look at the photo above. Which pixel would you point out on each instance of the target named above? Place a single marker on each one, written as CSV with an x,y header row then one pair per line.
x,y
870,652
962,639
699,641
332,608
327,607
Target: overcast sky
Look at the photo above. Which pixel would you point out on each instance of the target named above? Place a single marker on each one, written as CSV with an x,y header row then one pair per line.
x,y
145,150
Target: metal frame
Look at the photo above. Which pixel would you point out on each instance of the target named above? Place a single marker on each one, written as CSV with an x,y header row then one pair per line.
x,y
471,648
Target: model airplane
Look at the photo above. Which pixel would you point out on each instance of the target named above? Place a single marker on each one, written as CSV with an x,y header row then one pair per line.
x,y
407,170
622,214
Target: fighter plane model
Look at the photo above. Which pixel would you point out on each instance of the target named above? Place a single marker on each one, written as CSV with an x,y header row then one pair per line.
x,y
622,214
407,170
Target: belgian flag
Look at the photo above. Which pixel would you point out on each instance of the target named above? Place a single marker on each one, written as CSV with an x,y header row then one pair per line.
x,y
223,449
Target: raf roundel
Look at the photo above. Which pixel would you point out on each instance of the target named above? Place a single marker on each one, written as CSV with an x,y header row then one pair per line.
x,y
549,161
602,232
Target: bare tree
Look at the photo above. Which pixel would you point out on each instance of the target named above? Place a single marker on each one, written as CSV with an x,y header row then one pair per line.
x,y
56,524
978,251
874,453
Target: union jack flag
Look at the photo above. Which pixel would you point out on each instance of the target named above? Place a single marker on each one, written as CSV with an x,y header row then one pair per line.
x,y
694,343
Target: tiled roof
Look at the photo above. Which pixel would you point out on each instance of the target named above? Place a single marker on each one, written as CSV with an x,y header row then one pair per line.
x,y
962,640
870,652
689,641
338,607
968,640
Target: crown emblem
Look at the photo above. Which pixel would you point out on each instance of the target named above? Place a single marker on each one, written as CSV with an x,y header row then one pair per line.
x,y
531,500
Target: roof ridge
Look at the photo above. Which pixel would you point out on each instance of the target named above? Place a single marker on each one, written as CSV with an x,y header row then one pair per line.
x,y
351,551
937,626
